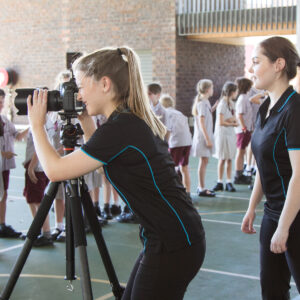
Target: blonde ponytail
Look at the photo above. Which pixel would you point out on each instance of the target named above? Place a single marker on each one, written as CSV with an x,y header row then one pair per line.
x,y
138,102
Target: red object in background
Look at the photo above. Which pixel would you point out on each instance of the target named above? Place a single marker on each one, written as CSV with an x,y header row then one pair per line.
x,y
8,76
4,77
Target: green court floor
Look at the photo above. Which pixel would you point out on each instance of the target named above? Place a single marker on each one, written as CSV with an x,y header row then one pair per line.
x,y
230,270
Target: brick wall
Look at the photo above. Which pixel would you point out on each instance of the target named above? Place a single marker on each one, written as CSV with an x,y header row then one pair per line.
x,y
35,35
198,60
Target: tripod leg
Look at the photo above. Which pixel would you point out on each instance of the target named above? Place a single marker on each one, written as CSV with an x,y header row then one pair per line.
x,y
80,239
32,234
90,212
70,251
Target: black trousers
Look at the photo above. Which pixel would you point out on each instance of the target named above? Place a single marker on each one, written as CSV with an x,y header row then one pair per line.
x,y
276,269
164,276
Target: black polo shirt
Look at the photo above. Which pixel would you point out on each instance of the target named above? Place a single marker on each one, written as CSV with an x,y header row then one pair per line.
x,y
273,137
139,166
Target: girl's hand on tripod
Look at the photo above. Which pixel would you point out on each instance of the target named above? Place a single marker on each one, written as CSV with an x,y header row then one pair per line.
x,y
38,109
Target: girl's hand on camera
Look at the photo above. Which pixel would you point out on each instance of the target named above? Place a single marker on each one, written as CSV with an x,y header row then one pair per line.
x,y
38,109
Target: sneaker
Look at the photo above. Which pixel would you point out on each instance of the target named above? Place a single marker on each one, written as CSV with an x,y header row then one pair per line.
x,y
115,210
6,231
127,218
102,221
62,237
250,187
126,210
230,187
106,214
22,237
242,179
42,241
55,233
248,173
205,193
218,187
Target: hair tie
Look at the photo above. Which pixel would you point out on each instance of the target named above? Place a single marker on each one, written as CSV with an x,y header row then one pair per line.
x,y
119,51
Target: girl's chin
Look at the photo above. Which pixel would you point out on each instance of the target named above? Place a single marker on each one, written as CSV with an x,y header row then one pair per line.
x,y
257,85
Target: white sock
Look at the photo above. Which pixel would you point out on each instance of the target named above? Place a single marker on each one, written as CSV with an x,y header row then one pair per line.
x,y
228,180
60,226
200,189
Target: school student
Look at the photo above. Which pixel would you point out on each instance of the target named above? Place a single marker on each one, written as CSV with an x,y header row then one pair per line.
x,y
225,137
203,145
130,147
180,139
10,134
36,182
244,128
276,145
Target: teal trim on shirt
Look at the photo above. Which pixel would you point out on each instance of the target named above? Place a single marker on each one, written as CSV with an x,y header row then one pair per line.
x,y
282,183
104,163
168,203
286,101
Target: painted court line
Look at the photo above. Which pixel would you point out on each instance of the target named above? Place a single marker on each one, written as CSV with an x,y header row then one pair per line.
x,y
233,274
104,297
107,296
220,196
48,276
232,197
225,222
15,197
11,248
18,177
225,212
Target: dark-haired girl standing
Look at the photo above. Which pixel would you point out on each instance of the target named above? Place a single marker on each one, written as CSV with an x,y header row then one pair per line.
x,y
276,145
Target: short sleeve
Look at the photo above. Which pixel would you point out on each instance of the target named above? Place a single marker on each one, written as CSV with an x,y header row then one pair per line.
x,y
169,121
292,125
241,105
12,129
221,108
106,143
201,109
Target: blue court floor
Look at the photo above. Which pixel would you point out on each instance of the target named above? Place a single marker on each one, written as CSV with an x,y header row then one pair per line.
x,y
230,270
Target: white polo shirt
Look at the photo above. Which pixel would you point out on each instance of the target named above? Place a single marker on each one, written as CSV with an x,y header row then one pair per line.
x,y
177,124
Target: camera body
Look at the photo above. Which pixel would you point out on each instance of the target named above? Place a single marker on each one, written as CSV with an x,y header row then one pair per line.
x,y
64,100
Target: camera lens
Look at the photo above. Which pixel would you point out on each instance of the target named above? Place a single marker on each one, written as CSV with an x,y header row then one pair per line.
x,y
54,102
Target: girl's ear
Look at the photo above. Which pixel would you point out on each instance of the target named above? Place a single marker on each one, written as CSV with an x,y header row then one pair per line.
x,y
106,84
280,64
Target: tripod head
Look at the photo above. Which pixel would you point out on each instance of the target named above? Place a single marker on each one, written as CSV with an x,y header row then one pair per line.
x,y
70,133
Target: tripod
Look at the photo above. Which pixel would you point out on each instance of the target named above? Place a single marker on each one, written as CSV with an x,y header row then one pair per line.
x,y
77,197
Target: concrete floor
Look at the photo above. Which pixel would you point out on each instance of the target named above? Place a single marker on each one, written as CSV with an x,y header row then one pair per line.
x,y
230,270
